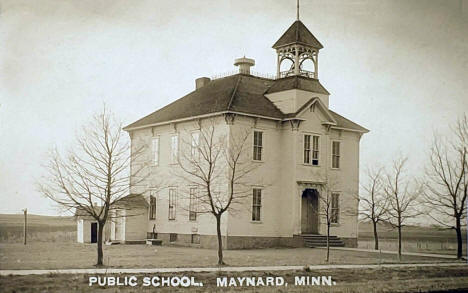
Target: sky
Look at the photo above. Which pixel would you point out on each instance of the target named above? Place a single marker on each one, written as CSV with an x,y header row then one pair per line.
x,y
398,68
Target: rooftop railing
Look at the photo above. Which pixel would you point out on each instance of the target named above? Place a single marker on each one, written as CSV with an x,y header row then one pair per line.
x,y
283,74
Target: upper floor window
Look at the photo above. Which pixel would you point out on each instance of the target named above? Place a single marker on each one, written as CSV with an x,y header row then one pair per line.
x,y
315,150
256,204
152,211
156,151
258,145
195,142
174,148
193,204
311,149
172,203
335,208
336,154
306,149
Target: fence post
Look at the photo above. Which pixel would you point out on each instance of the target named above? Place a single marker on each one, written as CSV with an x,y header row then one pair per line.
x,y
25,211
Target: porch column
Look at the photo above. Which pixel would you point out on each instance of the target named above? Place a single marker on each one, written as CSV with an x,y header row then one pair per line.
x,y
298,210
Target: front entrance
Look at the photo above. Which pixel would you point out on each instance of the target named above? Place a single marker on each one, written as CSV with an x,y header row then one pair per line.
x,y
93,232
309,211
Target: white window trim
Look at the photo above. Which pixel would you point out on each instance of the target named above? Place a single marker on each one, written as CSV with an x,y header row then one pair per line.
x,y
156,154
154,194
176,157
311,148
195,151
263,145
337,223
195,203
169,204
262,193
340,154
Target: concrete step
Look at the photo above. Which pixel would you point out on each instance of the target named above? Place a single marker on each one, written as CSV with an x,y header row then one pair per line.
x,y
135,242
316,240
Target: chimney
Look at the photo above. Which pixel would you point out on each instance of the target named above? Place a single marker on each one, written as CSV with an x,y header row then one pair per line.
x,y
201,82
244,64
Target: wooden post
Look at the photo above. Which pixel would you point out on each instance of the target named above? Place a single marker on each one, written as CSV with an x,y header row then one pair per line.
x,y
25,225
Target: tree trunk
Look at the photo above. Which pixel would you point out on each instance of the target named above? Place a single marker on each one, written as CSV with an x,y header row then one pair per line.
x,y
376,237
220,240
399,242
459,238
328,242
100,254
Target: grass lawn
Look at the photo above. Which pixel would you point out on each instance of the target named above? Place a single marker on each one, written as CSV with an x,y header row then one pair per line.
x,y
47,255
423,279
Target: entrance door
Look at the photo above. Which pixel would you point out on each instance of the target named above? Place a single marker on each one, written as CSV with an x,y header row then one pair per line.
x,y
93,232
310,215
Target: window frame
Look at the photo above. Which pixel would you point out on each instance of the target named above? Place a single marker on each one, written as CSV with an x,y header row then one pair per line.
x,y
315,151
194,148
335,209
174,148
152,208
193,204
256,216
156,156
172,204
257,149
312,151
337,156
306,150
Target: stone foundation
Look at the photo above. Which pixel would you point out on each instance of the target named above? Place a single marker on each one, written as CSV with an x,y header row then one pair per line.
x,y
240,242
350,242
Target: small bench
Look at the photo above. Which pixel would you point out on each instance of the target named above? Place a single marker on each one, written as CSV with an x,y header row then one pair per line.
x,y
154,242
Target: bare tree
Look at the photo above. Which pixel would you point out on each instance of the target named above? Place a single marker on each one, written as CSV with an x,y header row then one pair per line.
x,y
446,187
373,202
93,177
402,198
328,207
218,165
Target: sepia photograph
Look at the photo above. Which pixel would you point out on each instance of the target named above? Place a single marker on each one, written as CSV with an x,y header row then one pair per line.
x,y
233,146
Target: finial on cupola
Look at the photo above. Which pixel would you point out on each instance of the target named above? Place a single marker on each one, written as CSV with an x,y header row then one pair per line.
x,y
297,9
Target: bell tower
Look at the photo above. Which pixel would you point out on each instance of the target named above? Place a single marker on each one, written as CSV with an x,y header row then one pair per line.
x,y
297,47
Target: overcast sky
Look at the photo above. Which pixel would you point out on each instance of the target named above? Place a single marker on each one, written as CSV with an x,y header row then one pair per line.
x,y
399,68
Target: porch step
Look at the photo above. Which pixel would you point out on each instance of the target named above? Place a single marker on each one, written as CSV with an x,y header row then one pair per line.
x,y
154,242
317,240
135,241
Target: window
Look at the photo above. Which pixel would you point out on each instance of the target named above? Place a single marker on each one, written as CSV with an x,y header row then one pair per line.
x,y
315,150
174,149
193,204
172,203
195,145
152,211
256,204
336,154
156,151
308,149
195,239
335,208
257,145
172,237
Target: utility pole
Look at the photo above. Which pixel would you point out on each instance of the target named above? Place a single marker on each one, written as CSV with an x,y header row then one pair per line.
x,y
25,224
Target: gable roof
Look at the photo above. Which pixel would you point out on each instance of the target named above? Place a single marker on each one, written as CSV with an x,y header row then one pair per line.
x,y
309,103
298,33
345,123
239,93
